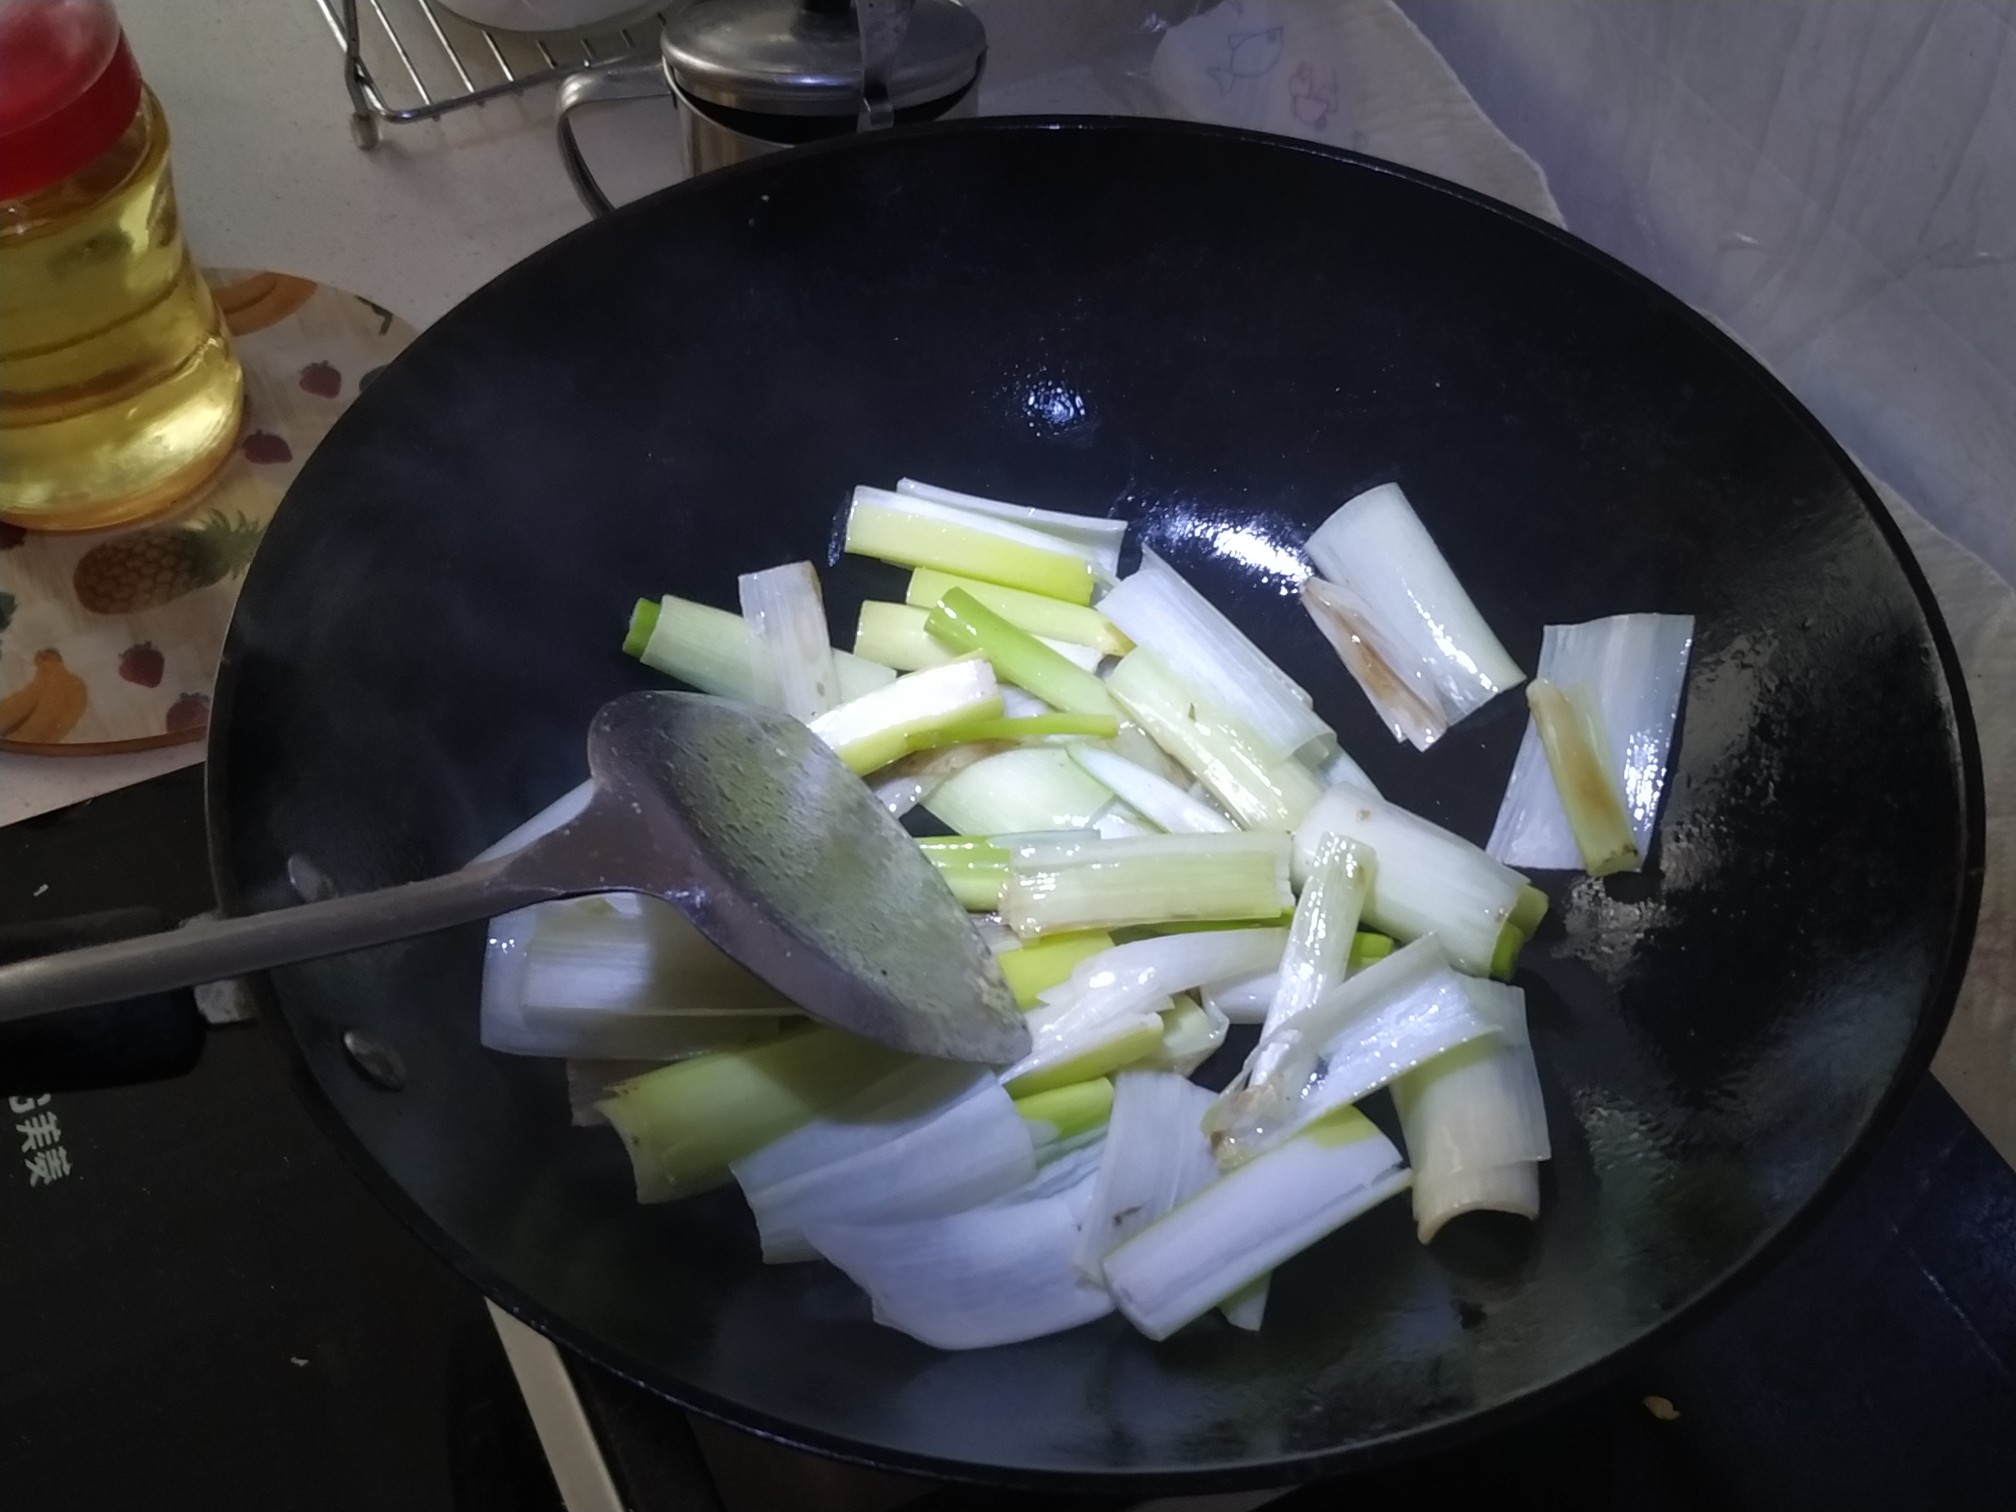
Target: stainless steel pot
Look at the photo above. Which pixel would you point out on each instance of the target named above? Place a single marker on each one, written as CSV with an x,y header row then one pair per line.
x,y
756,76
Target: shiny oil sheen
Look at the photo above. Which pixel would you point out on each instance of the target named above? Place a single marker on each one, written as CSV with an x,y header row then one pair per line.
x,y
1221,338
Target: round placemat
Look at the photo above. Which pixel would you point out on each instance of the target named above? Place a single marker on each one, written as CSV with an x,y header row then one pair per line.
x,y
109,639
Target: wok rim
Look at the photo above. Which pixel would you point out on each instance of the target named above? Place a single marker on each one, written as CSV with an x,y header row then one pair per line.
x,y
1286,1471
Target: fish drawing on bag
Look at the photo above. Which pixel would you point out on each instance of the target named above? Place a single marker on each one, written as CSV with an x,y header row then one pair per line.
x,y
1313,96
1248,55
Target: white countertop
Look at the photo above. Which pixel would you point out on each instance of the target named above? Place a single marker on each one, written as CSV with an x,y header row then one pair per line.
x,y
268,176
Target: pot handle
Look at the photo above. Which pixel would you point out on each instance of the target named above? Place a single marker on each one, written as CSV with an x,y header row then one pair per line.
x,y
636,78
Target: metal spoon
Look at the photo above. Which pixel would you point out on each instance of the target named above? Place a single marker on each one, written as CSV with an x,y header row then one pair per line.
x,y
742,819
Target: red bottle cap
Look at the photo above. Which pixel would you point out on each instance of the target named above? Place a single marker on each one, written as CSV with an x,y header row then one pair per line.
x,y
68,89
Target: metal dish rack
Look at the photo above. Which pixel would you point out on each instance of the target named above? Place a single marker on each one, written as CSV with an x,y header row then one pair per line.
x,y
410,60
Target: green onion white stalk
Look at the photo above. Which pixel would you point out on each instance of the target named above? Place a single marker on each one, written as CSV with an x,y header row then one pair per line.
x,y
1033,788
1191,1034
791,653
591,1079
974,868
621,952
1345,621
1044,724
616,976
904,784
1585,779
1064,1115
905,1097
1418,627
1160,610
1426,880
1632,668
879,727
714,651
1243,1225
1052,619
1156,1156
1035,968
1118,998
1391,1017
683,1124
912,532
1164,804
1097,540
990,1275
965,624
1246,999
972,1147
896,635
1064,1169
1256,785
1318,951
1473,1120
1247,1307
1150,879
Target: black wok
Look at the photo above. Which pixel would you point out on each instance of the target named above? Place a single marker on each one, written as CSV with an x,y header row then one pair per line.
x,y
1222,338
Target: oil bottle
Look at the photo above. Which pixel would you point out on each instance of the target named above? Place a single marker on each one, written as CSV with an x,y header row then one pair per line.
x,y
119,392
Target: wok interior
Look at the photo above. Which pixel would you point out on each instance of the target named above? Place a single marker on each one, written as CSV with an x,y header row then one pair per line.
x,y
1220,339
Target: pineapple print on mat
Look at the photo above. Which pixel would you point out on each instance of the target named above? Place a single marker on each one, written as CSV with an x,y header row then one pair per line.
x,y
109,640
155,567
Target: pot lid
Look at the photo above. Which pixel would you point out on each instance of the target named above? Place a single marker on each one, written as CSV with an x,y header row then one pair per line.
x,y
803,57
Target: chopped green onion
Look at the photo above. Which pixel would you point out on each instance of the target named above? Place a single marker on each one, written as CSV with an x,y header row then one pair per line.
x,y
1326,924
976,870
684,1124
1583,778
713,650
1028,727
1191,1035
1156,1157
1246,999
643,619
1160,610
872,1162
1246,1307
1164,803
1528,911
918,533
1064,1113
895,635
791,653
877,728
964,623
1422,627
1473,1120
1032,788
1386,674
1427,880
1249,1221
1052,619
1037,967
1121,1042
1150,879
1258,787
1097,540
1356,1038
990,1275
1632,668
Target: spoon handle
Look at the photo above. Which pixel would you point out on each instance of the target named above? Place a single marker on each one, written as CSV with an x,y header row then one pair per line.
x,y
211,952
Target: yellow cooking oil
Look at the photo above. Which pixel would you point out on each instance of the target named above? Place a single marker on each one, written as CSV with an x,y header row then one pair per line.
x,y
119,391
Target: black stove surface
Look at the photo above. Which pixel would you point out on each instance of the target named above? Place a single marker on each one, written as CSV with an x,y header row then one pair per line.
x,y
200,1307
